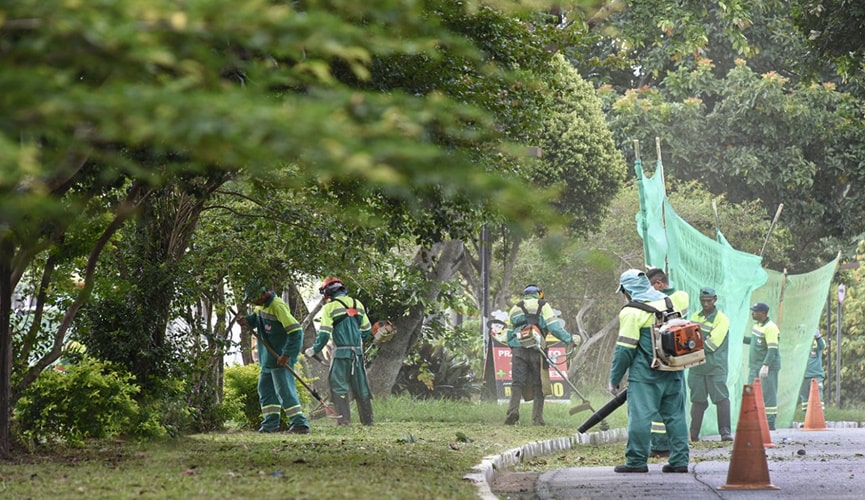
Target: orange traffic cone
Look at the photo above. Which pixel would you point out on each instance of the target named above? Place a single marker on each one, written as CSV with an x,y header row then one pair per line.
x,y
814,420
761,409
748,467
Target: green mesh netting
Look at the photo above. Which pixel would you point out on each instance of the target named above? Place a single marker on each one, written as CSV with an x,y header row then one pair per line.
x,y
693,260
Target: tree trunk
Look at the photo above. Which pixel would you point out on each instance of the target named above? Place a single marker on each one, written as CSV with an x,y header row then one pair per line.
x,y
438,264
7,251
136,195
595,355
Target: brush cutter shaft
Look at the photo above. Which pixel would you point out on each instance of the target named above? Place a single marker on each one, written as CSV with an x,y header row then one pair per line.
x,y
571,384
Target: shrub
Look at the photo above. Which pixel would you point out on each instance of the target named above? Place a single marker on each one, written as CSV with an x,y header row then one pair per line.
x,y
91,399
240,404
241,395
168,413
433,373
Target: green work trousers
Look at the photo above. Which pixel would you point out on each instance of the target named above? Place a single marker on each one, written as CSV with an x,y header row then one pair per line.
x,y
805,391
703,387
347,374
769,385
276,392
645,402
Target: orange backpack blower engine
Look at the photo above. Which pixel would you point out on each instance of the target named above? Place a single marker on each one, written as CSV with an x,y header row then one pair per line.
x,y
676,343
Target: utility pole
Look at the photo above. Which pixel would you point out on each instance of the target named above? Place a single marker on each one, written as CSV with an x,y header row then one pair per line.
x,y
489,370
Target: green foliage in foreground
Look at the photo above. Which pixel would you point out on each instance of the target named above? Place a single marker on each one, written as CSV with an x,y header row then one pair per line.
x,y
416,449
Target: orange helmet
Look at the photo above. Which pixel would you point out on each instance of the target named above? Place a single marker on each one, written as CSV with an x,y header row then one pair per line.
x,y
331,286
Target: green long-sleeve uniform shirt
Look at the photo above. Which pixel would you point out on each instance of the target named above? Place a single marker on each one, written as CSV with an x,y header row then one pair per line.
x,y
764,346
275,324
347,331
715,327
815,359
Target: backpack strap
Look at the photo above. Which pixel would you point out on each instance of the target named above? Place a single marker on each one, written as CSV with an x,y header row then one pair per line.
x,y
522,305
349,311
660,315
532,318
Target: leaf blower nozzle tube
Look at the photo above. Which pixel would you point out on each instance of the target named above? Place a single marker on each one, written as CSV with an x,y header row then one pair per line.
x,y
610,406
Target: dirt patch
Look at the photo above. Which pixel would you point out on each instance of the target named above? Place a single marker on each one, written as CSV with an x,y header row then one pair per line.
x,y
515,484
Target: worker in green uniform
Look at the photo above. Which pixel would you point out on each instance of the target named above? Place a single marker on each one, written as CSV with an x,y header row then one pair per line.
x,y
765,360
528,363
71,353
274,324
650,392
709,380
814,369
344,319
681,302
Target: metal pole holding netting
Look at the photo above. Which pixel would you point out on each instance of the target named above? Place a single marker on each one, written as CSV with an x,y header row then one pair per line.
x,y
842,290
829,388
659,170
644,222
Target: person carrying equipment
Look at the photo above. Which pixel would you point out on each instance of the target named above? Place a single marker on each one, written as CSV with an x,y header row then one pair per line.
x,y
710,379
531,319
344,318
765,358
681,302
651,391
274,324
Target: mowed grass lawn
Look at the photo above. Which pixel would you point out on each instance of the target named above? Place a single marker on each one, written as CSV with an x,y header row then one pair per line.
x,y
416,449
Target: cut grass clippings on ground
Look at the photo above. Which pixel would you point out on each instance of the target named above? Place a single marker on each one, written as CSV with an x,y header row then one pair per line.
x,y
416,449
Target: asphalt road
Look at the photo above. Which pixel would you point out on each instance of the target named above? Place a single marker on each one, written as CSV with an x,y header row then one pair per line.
x,y
828,464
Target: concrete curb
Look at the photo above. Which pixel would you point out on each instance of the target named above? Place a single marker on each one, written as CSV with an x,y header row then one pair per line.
x,y
483,474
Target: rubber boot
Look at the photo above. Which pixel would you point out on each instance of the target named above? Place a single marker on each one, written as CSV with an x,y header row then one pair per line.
x,y
364,410
538,411
724,426
697,410
513,415
342,406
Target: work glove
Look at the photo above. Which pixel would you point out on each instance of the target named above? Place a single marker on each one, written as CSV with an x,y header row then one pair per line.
x,y
538,339
309,352
613,388
282,360
764,371
571,350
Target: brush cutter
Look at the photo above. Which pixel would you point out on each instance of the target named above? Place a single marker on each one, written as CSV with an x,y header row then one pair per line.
x,y
585,405
382,331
